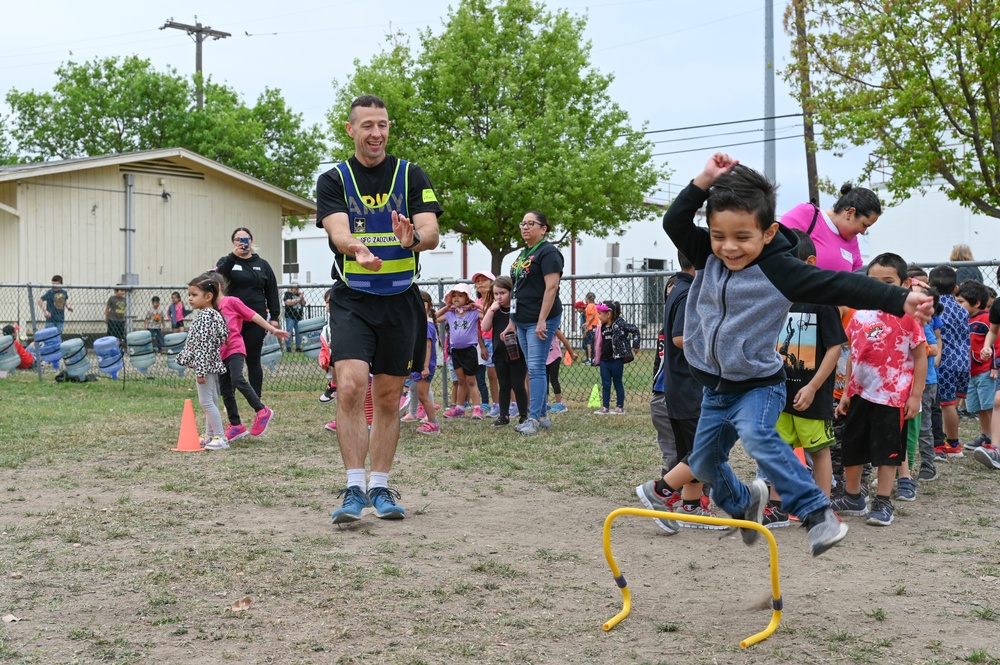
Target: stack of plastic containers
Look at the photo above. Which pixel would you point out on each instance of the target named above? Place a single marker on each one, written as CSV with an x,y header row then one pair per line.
x,y
310,330
109,355
140,349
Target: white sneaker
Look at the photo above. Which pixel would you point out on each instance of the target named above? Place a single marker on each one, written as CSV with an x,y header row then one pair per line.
x,y
217,443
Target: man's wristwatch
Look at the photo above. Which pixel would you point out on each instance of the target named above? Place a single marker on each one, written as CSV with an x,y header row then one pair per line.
x,y
416,240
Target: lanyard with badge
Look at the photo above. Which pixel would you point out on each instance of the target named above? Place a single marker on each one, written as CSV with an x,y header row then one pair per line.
x,y
520,272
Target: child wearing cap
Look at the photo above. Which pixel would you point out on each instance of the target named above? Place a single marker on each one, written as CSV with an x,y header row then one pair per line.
x,y
462,318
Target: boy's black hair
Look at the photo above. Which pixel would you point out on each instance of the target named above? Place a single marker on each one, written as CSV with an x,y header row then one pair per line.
x,y
943,278
744,190
913,270
684,262
57,279
806,247
974,292
864,201
890,260
8,330
327,295
156,298
667,286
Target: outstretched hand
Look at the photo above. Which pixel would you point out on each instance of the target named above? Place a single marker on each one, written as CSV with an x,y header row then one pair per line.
x,y
283,335
403,228
920,306
364,256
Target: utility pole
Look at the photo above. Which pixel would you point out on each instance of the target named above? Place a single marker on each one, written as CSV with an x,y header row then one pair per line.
x,y
800,49
770,169
199,33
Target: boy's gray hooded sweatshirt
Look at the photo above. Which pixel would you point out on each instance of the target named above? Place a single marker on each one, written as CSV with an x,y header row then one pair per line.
x,y
733,318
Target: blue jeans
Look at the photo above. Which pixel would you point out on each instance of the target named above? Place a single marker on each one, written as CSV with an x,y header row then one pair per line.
x,y
157,338
536,351
751,417
612,370
292,326
58,325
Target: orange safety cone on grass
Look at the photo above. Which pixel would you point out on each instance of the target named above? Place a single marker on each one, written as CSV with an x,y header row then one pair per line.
x,y
188,442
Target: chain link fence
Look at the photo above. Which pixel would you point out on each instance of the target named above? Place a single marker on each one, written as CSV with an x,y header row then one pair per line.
x,y
92,312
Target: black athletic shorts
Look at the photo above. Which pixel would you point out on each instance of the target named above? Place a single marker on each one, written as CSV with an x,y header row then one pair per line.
x,y
873,433
466,359
388,332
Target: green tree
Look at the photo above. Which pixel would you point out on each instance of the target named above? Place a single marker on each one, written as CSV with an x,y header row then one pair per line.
x,y
506,114
118,105
920,81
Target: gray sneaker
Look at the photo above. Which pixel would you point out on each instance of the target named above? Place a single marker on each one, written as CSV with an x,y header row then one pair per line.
x,y
927,473
825,534
545,422
755,510
988,456
530,427
647,494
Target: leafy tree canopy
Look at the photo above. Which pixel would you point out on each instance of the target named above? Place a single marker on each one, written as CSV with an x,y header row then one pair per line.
x,y
919,80
118,105
505,113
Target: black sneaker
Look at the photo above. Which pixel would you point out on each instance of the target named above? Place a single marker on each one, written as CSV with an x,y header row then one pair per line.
x,y
501,421
775,517
928,474
328,395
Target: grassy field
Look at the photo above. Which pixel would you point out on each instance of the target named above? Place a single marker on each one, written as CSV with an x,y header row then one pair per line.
x,y
115,550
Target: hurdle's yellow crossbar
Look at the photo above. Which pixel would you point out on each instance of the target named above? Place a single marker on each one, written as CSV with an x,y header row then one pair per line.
x,y
720,521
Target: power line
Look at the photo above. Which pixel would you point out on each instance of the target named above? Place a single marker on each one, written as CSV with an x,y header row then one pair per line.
x,y
710,136
721,124
199,33
728,145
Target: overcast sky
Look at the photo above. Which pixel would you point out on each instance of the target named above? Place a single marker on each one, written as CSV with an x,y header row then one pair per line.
x,y
675,64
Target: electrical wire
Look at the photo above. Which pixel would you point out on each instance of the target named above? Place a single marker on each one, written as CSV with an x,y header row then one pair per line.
x,y
728,145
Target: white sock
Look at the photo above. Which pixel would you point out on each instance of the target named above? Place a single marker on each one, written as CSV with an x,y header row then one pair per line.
x,y
379,479
356,478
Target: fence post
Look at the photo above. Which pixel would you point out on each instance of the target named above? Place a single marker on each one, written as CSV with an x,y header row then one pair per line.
x,y
34,329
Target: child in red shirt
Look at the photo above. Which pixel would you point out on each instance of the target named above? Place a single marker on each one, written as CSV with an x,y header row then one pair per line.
x,y
885,383
973,296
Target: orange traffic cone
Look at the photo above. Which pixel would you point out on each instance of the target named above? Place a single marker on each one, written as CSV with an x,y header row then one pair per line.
x,y
799,452
188,442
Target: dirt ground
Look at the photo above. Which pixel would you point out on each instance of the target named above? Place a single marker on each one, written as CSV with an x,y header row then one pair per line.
x,y
100,566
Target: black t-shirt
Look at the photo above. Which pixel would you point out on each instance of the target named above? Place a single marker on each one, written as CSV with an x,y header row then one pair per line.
x,y
528,273
252,281
607,345
681,392
293,312
808,332
500,320
373,181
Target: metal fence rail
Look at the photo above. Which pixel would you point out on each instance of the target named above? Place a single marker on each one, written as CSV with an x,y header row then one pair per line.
x,y
640,294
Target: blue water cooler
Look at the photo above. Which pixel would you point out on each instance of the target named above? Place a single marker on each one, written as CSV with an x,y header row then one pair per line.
x,y
310,330
109,355
48,342
75,360
270,352
172,344
9,360
140,349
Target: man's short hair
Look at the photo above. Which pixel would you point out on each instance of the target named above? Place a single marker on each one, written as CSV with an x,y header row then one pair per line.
x,y
744,190
364,101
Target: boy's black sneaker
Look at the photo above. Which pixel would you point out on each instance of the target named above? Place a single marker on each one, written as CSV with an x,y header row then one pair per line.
x,y
775,517
328,395
501,421
826,532
928,474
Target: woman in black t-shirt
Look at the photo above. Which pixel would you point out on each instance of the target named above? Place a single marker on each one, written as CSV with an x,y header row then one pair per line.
x,y
536,310
250,278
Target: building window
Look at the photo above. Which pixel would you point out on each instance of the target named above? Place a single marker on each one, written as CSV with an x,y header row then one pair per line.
x,y
291,262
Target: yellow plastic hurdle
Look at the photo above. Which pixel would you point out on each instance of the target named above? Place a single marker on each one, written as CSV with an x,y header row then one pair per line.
x,y
723,521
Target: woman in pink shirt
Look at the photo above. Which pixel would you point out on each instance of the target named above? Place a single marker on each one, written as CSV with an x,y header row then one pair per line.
x,y
835,231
